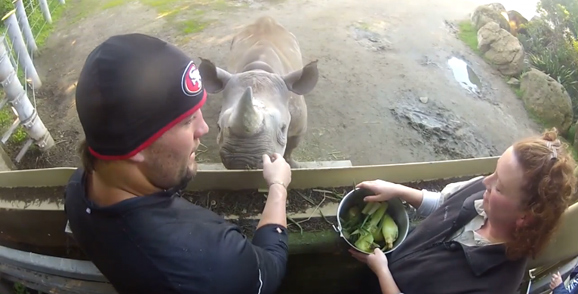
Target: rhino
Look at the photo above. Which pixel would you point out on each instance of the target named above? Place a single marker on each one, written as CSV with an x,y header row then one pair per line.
x,y
263,110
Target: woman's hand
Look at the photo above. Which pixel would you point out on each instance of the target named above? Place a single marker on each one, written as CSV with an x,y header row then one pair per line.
x,y
377,261
383,190
556,280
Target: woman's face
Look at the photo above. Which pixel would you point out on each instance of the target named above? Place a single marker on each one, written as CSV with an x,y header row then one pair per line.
x,y
502,199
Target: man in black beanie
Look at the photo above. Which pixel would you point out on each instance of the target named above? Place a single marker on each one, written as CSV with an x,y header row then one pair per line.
x,y
139,102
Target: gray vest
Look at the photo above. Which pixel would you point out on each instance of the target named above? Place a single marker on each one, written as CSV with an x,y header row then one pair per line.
x,y
428,262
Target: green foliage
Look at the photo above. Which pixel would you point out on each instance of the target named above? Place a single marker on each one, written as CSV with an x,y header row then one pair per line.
x,y
563,15
5,7
468,34
20,289
552,46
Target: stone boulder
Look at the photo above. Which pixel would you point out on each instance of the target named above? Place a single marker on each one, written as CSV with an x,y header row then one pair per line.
x,y
493,12
501,49
547,99
517,22
575,143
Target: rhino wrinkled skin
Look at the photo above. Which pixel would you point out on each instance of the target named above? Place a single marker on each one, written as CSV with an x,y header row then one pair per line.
x,y
263,109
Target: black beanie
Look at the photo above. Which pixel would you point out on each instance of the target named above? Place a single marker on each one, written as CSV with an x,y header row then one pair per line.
x,y
131,90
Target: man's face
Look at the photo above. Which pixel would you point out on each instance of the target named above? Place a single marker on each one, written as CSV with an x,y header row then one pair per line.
x,y
170,160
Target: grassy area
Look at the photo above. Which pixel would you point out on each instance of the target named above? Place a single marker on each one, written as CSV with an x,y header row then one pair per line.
x,y
186,16
43,29
468,35
7,117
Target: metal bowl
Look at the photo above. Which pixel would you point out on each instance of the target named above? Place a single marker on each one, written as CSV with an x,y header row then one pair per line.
x,y
395,209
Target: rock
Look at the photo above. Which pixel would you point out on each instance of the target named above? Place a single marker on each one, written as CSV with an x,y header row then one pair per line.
x,y
513,82
547,99
494,12
575,143
423,100
517,21
501,49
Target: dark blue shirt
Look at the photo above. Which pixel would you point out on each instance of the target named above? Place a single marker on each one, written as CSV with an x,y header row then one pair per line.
x,y
161,243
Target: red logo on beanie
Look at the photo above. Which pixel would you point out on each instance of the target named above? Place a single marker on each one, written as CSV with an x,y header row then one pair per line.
x,y
192,83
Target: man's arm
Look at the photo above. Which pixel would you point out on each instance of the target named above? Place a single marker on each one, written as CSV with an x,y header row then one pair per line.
x,y
275,208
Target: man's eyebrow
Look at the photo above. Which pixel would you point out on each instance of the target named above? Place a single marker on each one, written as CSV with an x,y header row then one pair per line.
x,y
188,118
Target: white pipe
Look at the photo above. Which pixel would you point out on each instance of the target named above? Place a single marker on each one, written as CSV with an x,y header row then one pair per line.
x,y
18,97
45,11
20,48
25,25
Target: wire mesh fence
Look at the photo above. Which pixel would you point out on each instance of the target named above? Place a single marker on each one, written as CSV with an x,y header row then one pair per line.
x,y
23,29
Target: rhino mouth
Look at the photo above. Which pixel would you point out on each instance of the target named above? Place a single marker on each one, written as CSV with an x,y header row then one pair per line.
x,y
239,152
242,161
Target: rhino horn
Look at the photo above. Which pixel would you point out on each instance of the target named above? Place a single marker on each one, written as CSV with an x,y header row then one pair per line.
x,y
246,119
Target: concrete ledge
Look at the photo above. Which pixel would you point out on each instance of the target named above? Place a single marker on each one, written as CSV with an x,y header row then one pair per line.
x,y
304,165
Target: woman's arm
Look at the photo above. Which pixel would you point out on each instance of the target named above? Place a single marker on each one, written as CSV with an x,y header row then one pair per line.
x,y
386,282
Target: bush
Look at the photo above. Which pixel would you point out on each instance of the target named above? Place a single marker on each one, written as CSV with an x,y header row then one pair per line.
x,y
552,46
5,7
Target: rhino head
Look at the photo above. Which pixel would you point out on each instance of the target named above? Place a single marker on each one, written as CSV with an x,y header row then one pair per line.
x,y
255,115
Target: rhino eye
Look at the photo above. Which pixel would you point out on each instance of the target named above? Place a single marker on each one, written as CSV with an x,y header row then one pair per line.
x,y
283,128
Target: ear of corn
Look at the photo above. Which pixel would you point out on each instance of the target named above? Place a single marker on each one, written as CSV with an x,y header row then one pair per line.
x,y
377,230
389,231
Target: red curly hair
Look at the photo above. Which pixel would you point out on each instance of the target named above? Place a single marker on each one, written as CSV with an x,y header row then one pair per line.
x,y
549,187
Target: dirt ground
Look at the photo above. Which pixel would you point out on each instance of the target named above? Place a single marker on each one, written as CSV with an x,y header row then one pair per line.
x,y
379,61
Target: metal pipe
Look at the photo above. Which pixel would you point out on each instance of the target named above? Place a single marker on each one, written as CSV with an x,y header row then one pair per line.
x,y
18,97
20,47
25,25
45,11
64,267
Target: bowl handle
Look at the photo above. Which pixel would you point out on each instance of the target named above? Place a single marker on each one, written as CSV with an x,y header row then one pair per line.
x,y
337,230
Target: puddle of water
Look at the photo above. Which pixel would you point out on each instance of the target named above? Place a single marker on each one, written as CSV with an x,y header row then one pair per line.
x,y
464,74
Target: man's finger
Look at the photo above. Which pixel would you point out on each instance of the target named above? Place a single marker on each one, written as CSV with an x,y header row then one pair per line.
x,y
266,159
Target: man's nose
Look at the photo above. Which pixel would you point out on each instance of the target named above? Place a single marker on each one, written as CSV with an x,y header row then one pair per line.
x,y
202,130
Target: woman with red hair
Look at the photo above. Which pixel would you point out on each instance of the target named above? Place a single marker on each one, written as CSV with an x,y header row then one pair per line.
x,y
478,235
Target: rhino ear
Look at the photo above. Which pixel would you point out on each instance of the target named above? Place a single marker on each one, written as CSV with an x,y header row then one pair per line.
x,y
214,78
304,80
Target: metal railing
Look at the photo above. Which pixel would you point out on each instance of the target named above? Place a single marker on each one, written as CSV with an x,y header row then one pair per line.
x,y
18,75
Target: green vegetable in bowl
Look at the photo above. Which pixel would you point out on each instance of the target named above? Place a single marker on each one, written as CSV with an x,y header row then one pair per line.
x,y
370,229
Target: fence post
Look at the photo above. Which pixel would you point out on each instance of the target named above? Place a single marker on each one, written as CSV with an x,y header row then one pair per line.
x,y
25,25
17,96
45,11
18,43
